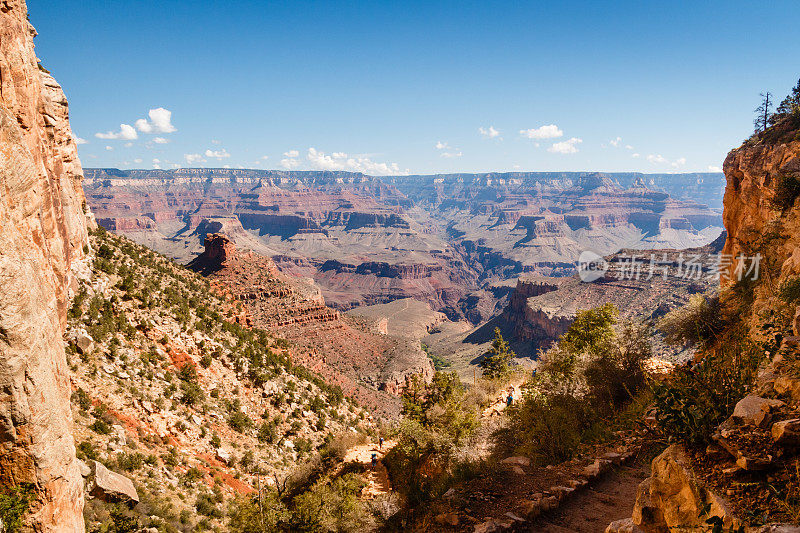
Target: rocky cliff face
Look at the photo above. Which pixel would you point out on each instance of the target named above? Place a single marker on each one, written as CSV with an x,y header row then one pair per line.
x,y
42,235
754,217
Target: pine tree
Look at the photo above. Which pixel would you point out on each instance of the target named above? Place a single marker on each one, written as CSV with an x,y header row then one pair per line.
x,y
763,113
791,104
497,361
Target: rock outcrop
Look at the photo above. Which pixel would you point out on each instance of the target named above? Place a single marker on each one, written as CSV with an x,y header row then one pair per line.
x,y
343,349
42,239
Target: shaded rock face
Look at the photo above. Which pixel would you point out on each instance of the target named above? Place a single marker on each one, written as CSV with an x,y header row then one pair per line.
x,y
42,235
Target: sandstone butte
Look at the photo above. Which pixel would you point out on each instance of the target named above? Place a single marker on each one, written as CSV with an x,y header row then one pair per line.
x,y
43,231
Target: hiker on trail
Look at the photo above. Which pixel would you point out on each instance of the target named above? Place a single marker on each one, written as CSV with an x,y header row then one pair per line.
x,y
510,399
380,443
374,459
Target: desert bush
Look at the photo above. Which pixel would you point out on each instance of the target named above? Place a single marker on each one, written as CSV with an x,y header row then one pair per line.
x,y
419,462
332,507
548,429
248,514
698,323
240,421
14,503
697,398
786,190
440,405
789,290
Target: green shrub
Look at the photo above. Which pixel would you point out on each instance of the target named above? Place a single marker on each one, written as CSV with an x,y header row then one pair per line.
x,y
698,323
496,363
100,426
240,421
332,507
548,429
249,514
697,398
787,189
130,461
789,291
14,503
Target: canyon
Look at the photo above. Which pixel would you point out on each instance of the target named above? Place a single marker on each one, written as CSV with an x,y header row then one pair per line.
x,y
448,240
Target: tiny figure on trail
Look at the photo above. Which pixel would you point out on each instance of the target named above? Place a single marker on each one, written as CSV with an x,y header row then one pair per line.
x,y
510,399
374,459
380,443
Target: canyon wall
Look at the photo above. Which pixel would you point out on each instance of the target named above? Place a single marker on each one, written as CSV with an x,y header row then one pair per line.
x,y
42,240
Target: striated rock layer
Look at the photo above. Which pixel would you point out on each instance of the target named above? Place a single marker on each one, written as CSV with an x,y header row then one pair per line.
x,y
42,237
368,365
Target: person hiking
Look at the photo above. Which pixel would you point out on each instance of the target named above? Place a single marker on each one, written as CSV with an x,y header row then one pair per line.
x,y
510,399
380,443
374,459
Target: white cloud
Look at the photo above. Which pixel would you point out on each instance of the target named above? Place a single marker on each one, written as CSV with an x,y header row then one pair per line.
x,y
712,168
490,132
109,148
451,154
321,161
628,147
636,155
566,147
128,145
678,162
156,164
160,140
615,142
160,122
289,163
215,141
126,132
219,154
80,141
441,146
193,158
264,157
292,153
550,131
137,160
656,158
175,165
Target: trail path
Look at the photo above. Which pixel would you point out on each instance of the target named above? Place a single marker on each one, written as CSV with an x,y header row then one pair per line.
x,y
499,404
592,509
377,476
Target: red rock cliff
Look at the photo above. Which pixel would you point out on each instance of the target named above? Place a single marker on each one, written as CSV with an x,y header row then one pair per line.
x,y
753,221
42,236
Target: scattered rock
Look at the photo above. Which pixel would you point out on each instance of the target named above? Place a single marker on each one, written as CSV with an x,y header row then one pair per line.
x,y
85,469
222,455
754,410
625,525
786,432
112,487
84,342
447,519
514,517
492,526
518,460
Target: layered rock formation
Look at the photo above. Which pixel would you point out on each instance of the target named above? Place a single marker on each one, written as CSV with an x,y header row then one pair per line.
x,y
443,240
644,285
42,239
362,360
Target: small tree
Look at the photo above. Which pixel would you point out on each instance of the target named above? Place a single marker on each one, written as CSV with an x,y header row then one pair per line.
x,y
497,361
763,112
791,104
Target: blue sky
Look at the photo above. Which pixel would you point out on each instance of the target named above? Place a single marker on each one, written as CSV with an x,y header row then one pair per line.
x,y
420,87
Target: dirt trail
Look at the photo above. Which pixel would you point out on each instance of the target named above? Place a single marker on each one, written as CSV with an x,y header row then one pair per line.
x,y
377,476
593,508
499,404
